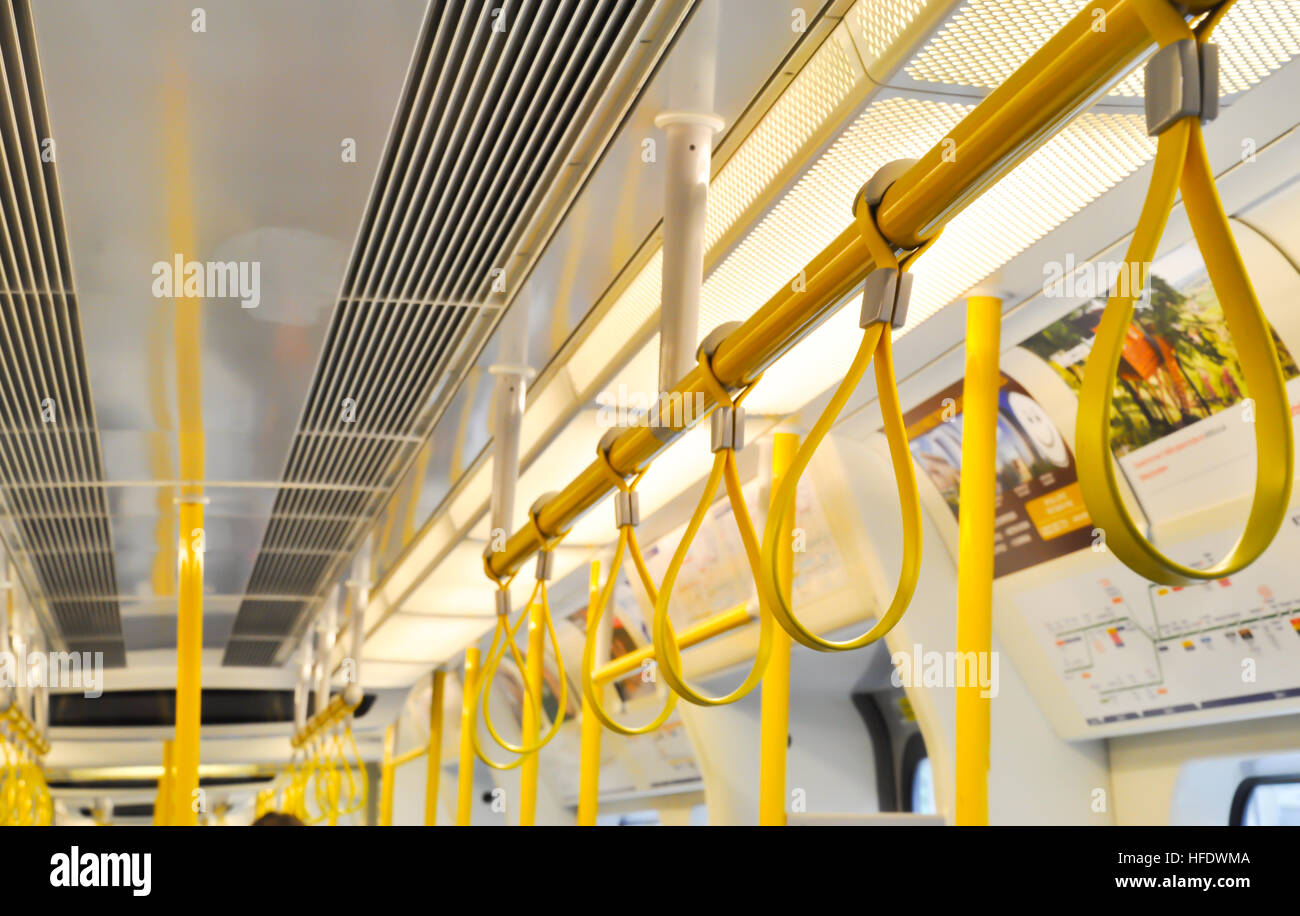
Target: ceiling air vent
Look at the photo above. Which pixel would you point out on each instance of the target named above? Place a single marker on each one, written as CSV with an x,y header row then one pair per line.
x,y
506,109
51,470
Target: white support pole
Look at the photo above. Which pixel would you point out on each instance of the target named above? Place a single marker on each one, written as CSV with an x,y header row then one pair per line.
x,y
326,632
512,375
41,695
689,126
18,635
302,689
359,594
6,600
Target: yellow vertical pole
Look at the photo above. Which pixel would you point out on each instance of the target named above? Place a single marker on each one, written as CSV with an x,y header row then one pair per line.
x,y
975,551
187,323
189,663
162,804
774,720
386,773
434,753
532,713
332,793
465,773
590,728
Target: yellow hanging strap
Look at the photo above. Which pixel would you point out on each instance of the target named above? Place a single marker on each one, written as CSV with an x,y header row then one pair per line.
x,y
357,790
9,784
626,517
503,641
325,777
877,343
312,785
1181,161
668,654
25,799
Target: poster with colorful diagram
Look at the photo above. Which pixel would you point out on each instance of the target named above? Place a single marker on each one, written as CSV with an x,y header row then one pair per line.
x,y
1040,511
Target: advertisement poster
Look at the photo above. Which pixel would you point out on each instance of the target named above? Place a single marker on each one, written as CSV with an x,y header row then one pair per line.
x,y
1179,403
621,642
715,576
1040,511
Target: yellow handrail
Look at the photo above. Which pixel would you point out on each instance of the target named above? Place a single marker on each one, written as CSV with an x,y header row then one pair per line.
x,y
1062,78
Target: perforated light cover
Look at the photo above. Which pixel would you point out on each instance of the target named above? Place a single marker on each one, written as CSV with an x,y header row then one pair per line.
x,y
987,40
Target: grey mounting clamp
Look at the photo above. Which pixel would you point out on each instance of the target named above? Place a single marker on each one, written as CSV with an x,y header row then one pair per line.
x,y
535,510
627,505
1182,81
627,509
709,346
886,291
545,566
728,430
728,423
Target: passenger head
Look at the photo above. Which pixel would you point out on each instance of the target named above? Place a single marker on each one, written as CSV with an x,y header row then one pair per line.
x,y
277,819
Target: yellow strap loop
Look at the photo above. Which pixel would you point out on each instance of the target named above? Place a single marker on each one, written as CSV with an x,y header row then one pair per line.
x,y
877,343
595,613
1182,162
503,638
667,651
627,543
668,654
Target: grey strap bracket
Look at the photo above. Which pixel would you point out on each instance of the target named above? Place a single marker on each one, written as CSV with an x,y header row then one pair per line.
x,y
886,291
885,294
545,566
1182,81
627,509
728,429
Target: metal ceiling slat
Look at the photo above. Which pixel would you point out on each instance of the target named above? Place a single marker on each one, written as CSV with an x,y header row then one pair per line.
x,y
478,105
509,202
437,108
70,457
331,378
432,185
449,103
51,472
440,247
369,334
469,265
433,45
362,342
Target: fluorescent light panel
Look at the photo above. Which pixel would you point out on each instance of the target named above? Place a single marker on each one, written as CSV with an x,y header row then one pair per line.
x,y
988,40
1092,154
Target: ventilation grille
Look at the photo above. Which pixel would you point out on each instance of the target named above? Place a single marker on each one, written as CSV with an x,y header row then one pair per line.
x,y
50,463
498,103
250,653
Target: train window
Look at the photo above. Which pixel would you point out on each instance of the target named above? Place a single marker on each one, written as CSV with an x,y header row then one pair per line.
x,y
1266,801
918,777
922,801
632,819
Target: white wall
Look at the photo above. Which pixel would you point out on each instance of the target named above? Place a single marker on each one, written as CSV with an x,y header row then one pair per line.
x,y
829,761
1188,776
1035,777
